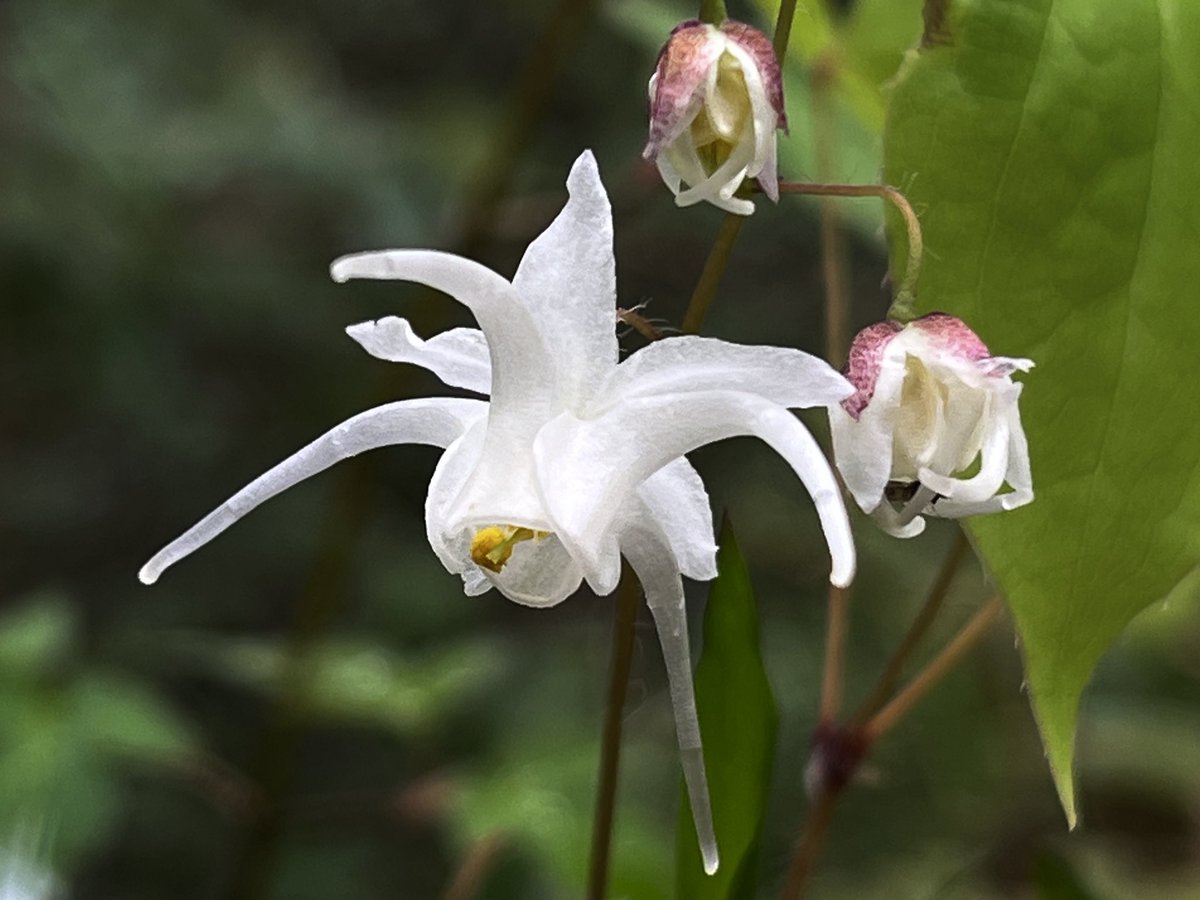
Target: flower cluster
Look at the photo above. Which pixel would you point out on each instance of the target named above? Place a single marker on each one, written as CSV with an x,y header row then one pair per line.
x,y
577,459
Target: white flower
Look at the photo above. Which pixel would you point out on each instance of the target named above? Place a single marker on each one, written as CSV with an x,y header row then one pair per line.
x,y
716,99
576,460
929,399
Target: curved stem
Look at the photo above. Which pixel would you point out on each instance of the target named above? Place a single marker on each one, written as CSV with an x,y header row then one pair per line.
x,y
904,305
933,603
628,595
951,655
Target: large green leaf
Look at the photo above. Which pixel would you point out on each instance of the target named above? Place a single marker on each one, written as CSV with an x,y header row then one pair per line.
x,y
739,721
1050,148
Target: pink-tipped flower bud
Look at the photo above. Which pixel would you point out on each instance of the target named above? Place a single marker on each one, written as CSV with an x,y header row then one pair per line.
x,y
930,400
716,100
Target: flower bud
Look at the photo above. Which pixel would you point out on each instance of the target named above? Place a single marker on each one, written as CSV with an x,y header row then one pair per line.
x,y
930,400
716,99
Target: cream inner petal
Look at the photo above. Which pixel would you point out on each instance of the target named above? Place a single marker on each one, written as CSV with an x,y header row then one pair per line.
x,y
939,423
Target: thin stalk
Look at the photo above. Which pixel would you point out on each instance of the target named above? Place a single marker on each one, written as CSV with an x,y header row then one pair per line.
x,y
833,245
933,603
713,11
710,276
944,662
835,645
809,846
904,303
475,868
783,28
628,596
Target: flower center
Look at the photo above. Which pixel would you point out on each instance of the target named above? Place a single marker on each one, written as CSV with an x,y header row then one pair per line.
x,y
492,546
719,126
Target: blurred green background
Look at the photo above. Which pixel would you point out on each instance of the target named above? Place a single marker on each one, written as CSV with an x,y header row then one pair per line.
x,y
310,708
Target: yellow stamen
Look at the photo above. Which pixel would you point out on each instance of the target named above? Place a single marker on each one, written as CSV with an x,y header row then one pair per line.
x,y
492,546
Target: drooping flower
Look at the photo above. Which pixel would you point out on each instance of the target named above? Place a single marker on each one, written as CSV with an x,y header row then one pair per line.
x,y
716,100
929,401
576,460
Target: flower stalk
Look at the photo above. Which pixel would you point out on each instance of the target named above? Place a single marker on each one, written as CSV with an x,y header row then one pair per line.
x,y
903,308
839,750
949,657
713,12
890,678
628,595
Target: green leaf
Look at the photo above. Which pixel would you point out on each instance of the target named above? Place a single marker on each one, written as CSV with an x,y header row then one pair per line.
x,y
738,720
1049,146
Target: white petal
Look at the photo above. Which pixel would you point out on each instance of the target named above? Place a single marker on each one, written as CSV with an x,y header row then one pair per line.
x,y
646,549
862,450
453,547
724,180
525,390
539,573
1019,478
765,121
459,357
522,371
588,469
437,421
889,520
789,377
676,498
685,161
671,178
567,280
992,468
768,170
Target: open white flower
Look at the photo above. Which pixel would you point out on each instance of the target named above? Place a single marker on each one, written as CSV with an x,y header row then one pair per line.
x,y
576,460
716,100
929,400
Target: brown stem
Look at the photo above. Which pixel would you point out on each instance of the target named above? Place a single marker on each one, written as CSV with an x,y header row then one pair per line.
x,y
628,595
710,276
840,750
903,305
809,846
835,645
833,249
933,603
937,669
475,868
